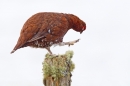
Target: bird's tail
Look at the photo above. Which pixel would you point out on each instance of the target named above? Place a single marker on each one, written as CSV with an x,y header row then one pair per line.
x,y
12,51
21,41
17,46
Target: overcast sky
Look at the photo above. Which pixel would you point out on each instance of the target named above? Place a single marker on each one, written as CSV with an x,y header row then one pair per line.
x,y
102,57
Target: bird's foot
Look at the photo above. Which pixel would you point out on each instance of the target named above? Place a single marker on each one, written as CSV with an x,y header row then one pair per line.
x,y
54,55
67,43
72,42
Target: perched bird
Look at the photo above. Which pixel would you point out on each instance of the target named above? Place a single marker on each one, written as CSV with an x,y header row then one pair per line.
x,y
44,29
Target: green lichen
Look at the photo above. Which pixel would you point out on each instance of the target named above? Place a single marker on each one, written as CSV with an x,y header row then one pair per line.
x,y
69,54
58,66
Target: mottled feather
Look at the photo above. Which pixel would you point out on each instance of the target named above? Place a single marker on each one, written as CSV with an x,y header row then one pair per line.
x,y
44,29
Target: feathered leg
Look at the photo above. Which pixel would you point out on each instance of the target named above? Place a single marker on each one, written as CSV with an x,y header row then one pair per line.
x,y
67,43
48,48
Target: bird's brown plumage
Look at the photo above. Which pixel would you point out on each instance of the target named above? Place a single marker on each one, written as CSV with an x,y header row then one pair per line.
x,y
44,29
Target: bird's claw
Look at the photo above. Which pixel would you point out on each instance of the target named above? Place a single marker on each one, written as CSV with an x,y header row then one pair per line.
x,y
53,55
77,40
72,42
66,43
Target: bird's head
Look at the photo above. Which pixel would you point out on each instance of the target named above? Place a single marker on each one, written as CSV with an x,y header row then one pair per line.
x,y
81,27
77,24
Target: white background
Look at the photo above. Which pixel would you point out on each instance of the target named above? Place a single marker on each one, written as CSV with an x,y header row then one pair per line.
x,y
102,57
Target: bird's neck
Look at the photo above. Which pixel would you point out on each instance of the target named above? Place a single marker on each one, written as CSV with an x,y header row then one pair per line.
x,y
70,21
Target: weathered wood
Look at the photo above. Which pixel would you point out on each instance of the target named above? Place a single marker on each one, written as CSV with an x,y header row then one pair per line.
x,y
57,69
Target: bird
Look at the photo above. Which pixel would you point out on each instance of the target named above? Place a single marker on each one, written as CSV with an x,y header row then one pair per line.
x,y
44,29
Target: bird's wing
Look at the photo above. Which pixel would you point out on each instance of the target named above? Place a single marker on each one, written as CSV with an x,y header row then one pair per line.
x,y
55,26
38,36
54,29
41,33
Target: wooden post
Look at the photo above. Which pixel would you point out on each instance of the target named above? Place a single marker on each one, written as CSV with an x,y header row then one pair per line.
x,y
57,69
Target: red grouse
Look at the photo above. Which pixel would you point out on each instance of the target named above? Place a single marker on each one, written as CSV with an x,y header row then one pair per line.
x,y
42,30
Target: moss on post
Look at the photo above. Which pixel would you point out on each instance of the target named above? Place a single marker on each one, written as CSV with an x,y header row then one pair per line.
x,y
57,69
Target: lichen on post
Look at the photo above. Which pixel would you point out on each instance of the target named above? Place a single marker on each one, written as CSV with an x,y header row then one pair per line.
x,y
57,69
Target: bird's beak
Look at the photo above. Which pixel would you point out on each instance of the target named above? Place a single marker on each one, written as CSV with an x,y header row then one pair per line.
x,y
81,32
